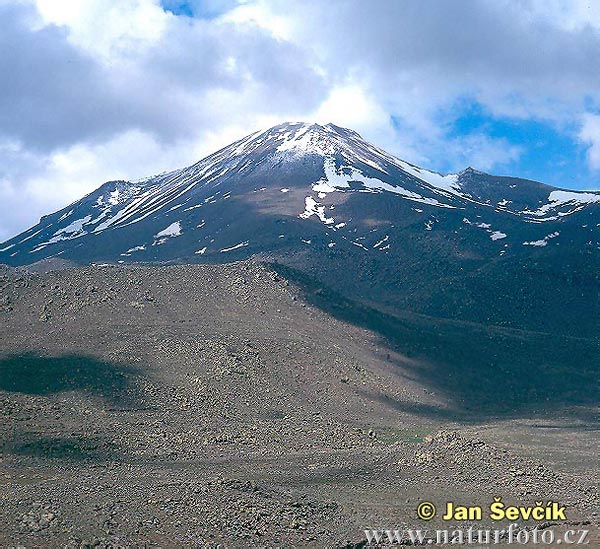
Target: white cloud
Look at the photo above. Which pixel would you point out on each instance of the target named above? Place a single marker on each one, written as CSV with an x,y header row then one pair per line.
x,y
104,89
572,15
484,152
106,28
350,106
259,14
47,183
590,135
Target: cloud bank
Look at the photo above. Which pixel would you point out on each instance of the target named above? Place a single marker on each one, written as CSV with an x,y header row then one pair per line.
x,y
99,89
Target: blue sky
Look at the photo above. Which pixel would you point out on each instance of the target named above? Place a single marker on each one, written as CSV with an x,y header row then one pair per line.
x,y
204,9
178,7
545,150
547,153
107,89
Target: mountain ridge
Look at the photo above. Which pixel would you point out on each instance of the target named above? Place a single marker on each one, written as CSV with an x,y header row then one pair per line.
x,y
346,320
298,139
321,199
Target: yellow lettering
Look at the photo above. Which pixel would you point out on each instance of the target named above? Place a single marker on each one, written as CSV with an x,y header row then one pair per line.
x,y
497,509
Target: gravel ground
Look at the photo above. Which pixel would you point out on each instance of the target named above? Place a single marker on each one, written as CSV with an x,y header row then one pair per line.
x,y
198,406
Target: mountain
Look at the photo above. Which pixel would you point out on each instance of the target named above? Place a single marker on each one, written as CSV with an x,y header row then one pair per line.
x,y
325,203
362,335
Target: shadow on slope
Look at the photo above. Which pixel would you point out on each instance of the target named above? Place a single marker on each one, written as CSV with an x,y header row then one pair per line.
x,y
71,448
482,371
33,374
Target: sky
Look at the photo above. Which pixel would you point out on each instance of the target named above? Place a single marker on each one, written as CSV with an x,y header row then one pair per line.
x,y
95,90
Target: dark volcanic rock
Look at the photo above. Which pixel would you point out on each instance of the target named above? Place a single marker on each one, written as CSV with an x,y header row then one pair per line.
x,y
469,246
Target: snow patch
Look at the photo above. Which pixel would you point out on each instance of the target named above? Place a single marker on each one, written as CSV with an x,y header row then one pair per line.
x,y
70,232
312,207
114,197
74,227
494,235
557,199
339,180
193,207
30,236
64,216
173,230
448,183
539,243
134,249
360,245
381,241
240,245
543,242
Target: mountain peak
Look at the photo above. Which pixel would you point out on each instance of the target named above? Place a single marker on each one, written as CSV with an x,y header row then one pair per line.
x,y
470,170
303,138
301,135
316,183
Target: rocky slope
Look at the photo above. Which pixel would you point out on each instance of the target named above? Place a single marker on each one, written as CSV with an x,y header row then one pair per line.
x,y
198,405
469,246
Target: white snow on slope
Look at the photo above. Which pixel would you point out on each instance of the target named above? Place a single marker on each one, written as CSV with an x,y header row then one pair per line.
x,y
448,183
543,242
557,199
174,229
240,245
298,138
134,249
312,207
339,180
130,202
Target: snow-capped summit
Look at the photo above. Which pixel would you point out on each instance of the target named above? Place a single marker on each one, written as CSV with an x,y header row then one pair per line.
x,y
323,200
302,137
274,191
